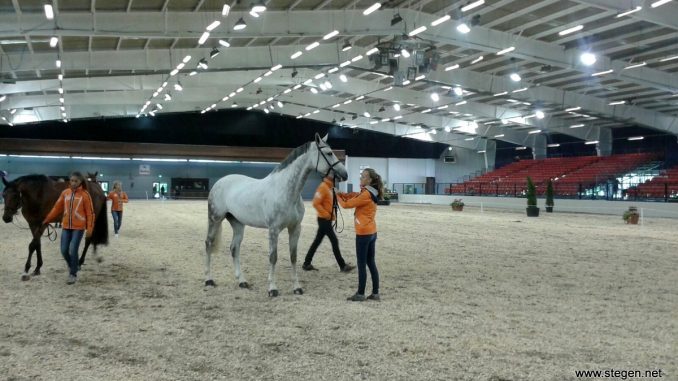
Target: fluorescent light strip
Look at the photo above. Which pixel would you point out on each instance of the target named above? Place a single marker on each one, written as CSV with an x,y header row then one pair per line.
x,y
474,4
570,30
602,73
345,63
499,136
417,31
440,20
460,103
477,60
636,65
636,138
617,103
572,109
554,145
456,66
203,38
372,8
500,94
668,59
576,126
519,90
331,34
634,10
659,3
591,142
296,55
534,132
313,46
507,50
213,25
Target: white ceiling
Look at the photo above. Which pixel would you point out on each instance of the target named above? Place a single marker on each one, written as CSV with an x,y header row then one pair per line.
x,y
115,54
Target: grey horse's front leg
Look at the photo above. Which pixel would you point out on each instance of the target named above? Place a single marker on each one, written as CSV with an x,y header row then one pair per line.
x,y
295,232
272,259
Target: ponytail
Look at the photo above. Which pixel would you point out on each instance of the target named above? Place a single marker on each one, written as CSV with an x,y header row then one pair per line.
x,y
376,182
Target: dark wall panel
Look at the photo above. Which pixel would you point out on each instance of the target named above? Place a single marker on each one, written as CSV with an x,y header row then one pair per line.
x,y
231,128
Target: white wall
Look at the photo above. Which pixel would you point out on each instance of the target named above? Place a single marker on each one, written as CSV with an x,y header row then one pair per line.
x,y
467,162
394,170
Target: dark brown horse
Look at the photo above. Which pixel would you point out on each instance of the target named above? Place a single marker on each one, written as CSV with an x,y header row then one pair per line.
x,y
35,195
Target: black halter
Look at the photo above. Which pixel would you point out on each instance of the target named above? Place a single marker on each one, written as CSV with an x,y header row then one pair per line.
x,y
335,203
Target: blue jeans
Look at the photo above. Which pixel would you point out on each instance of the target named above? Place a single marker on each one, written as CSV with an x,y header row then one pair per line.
x,y
70,243
117,220
364,249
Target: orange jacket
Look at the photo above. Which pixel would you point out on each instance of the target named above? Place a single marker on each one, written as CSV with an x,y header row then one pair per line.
x,y
76,207
118,199
365,204
322,201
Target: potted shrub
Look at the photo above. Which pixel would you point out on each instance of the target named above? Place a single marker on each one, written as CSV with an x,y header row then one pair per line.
x,y
631,216
549,196
385,201
532,209
457,205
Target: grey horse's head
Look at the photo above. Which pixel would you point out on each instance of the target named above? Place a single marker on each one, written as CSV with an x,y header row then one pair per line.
x,y
327,162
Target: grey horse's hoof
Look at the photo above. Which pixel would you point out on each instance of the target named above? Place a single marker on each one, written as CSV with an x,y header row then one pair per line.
x,y
273,293
25,277
36,272
244,285
298,291
210,283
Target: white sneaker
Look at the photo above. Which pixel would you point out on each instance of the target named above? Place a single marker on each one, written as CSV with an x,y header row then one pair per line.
x,y
116,235
72,279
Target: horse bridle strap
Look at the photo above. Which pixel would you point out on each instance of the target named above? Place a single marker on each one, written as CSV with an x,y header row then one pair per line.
x,y
335,203
331,166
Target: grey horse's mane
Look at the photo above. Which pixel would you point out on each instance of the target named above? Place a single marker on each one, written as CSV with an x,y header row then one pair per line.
x,y
302,149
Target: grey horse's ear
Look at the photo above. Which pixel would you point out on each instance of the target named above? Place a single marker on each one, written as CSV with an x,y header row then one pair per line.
x,y
325,138
317,138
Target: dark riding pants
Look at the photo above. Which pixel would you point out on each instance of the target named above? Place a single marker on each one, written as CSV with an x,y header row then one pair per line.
x,y
325,229
364,249
117,220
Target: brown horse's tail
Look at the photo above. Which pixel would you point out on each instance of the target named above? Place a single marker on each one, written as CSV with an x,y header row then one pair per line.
x,y
100,232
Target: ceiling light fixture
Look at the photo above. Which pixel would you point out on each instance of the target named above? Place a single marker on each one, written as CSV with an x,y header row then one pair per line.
x,y
296,55
53,42
463,28
396,19
515,77
225,10
347,46
224,43
240,25
587,58
202,64
405,53
259,8
49,11
455,66
214,53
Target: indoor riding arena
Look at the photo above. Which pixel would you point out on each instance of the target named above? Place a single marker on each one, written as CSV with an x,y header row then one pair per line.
x,y
501,177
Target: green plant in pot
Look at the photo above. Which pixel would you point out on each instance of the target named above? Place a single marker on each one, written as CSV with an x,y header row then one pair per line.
x,y
631,216
457,205
549,196
532,209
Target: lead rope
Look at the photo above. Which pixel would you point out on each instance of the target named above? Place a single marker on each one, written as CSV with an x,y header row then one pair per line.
x,y
335,211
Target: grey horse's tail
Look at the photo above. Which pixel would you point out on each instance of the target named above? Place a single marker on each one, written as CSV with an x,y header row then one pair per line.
x,y
214,225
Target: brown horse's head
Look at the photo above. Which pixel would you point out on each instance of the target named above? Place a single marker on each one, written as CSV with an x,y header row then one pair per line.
x,y
92,176
12,198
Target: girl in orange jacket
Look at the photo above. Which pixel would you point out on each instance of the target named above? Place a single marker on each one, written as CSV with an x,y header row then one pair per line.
x,y
323,204
118,197
365,204
75,206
